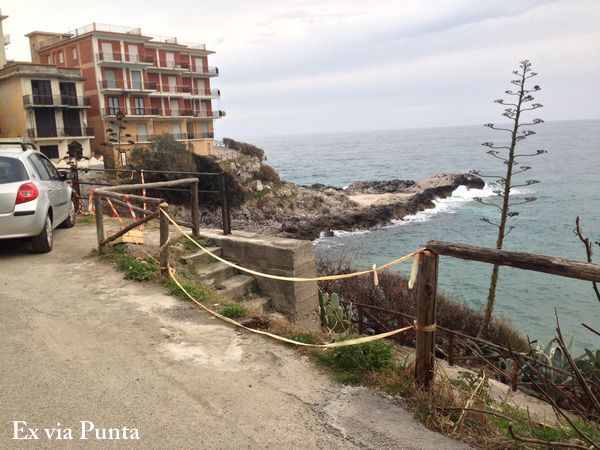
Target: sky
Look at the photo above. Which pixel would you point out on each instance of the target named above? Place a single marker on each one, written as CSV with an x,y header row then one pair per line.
x,y
298,67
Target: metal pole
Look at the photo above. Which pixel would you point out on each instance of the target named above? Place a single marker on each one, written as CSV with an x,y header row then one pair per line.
x,y
225,205
194,208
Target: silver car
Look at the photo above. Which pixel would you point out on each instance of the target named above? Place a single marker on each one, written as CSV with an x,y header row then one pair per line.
x,y
34,197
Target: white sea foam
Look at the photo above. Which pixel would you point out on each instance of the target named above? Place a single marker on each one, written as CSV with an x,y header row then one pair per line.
x,y
449,205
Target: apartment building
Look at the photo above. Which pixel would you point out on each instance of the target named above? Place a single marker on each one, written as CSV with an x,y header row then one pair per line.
x,y
158,84
43,104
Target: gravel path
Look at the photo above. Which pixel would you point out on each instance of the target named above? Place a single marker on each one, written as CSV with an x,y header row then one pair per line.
x,y
79,343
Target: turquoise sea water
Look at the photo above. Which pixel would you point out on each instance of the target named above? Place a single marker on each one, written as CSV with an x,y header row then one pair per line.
x,y
570,186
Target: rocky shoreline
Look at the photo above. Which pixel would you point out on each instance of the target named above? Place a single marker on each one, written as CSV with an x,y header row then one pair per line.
x,y
308,212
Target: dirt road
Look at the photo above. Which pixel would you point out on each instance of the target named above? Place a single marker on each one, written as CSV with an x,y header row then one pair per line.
x,y
79,343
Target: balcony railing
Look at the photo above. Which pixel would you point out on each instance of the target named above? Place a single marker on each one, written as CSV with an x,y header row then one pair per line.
x,y
143,137
44,132
182,89
168,64
121,58
165,112
111,111
202,135
119,84
206,70
56,100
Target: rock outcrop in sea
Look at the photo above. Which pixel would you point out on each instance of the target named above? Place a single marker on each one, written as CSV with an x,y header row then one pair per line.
x,y
306,212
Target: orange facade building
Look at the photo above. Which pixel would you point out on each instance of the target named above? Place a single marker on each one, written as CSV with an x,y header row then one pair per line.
x,y
160,85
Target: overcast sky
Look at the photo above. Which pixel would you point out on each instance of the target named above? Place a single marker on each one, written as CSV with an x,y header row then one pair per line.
x,y
310,66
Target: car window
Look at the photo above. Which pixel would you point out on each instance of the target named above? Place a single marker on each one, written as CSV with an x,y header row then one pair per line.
x,y
39,166
50,168
11,170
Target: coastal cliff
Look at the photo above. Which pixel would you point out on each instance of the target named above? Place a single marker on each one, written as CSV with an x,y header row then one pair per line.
x,y
286,209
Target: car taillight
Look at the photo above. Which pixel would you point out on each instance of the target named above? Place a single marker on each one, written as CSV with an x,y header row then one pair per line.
x,y
27,192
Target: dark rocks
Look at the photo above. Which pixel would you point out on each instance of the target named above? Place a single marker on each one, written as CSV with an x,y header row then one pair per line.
x,y
379,187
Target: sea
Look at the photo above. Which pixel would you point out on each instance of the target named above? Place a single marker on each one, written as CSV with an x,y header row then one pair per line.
x,y
569,176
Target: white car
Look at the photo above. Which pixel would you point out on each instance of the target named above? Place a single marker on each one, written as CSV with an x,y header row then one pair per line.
x,y
34,197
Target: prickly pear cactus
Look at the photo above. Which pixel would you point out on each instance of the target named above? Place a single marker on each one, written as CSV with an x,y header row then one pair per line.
x,y
333,316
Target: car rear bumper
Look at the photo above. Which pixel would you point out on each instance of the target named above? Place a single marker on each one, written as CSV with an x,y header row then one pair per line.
x,y
27,220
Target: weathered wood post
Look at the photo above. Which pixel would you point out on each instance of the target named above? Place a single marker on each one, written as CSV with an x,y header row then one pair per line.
x,y
164,239
194,209
425,323
99,219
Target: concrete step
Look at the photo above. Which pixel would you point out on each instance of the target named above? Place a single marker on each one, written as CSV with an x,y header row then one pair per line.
x,y
235,287
261,304
202,258
214,273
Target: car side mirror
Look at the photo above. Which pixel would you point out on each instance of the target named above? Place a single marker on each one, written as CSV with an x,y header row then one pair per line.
x,y
64,175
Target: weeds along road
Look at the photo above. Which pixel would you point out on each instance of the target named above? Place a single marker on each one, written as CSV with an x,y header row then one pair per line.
x,y
80,343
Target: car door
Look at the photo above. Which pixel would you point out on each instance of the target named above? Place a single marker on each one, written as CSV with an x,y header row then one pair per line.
x,y
60,188
49,185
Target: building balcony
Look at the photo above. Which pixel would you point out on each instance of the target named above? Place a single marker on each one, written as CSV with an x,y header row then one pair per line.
x,y
55,101
52,133
118,59
205,71
121,86
133,112
182,90
202,135
167,65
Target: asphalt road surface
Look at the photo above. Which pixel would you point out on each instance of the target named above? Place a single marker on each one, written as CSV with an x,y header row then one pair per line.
x,y
82,347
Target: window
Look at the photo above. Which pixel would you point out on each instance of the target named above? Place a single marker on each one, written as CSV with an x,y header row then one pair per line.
x,y
177,131
61,58
133,53
51,151
106,51
74,53
174,104
136,80
11,170
49,59
172,83
199,65
142,132
54,175
39,167
110,79
113,105
138,106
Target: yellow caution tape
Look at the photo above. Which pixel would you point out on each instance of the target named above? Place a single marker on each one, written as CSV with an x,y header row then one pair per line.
x,y
295,279
346,343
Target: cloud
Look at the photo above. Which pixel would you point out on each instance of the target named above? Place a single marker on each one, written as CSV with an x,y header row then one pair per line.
x,y
298,66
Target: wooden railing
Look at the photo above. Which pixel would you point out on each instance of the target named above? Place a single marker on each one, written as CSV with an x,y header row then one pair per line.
x,y
427,281
120,195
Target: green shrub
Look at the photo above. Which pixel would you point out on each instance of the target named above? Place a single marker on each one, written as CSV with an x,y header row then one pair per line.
x,y
245,148
359,359
135,269
197,291
233,311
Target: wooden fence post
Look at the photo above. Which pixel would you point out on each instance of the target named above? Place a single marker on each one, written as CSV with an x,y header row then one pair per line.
x,y
99,220
195,210
164,239
425,323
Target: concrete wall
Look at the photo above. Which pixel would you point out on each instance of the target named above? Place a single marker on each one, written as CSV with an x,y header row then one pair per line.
x,y
276,256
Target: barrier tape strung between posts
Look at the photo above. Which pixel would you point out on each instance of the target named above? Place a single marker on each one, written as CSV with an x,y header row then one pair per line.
x,y
374,270
346,343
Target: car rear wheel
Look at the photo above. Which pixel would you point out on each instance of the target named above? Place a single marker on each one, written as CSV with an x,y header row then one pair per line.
x,y
42,243
69,222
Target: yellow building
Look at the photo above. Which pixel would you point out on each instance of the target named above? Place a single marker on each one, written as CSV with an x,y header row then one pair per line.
x,y
43,104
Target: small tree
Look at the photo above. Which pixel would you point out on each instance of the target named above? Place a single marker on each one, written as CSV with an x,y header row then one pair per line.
x,y
507,154
115,135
